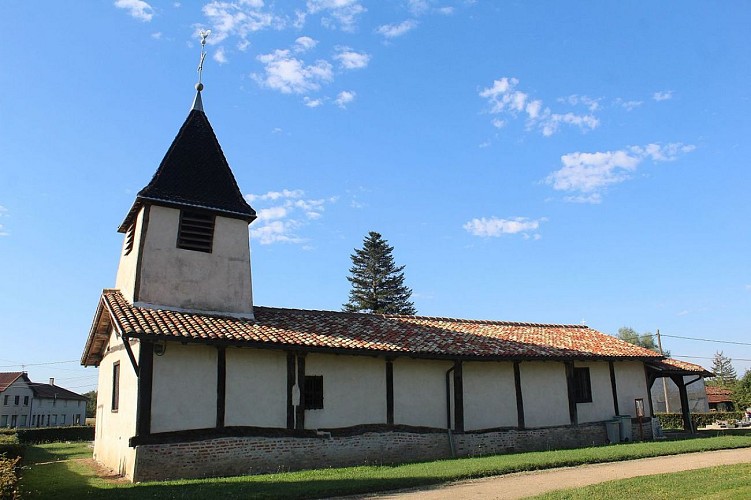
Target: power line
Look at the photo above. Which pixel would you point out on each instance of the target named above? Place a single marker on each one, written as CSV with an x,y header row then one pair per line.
x,y
40,364
705,340
706,357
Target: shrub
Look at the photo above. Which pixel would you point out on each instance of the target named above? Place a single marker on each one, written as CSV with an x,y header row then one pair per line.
x,y
675,420
10,447
8,477
55,434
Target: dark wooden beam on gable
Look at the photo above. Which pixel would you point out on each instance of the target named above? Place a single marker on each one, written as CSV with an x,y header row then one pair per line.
x,y
389,392
458,397
519,395
291,372
614,387
573,415
145,388
300,420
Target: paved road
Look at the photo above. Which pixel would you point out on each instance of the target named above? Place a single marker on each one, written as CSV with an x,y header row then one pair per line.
x,y
526,484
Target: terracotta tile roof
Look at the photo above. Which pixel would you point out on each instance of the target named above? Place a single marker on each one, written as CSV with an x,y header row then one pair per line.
x,y
364,333
7,378
718,394
676,366
194,173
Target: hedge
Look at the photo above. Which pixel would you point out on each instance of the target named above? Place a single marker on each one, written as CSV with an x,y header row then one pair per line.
x,y
675,420
8,478
55,434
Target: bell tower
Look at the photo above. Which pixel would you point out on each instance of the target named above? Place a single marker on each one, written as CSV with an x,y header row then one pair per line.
x,y
186,236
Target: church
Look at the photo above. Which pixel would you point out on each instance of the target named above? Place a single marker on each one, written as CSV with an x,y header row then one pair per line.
x,y
197,381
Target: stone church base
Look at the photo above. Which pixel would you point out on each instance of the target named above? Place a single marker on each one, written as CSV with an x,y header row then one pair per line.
x,y
243,455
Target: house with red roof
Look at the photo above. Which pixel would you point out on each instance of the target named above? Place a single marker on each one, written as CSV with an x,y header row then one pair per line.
x,y
24,403
720,398
196,380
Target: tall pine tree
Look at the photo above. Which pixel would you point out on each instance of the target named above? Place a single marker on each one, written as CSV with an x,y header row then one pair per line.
x,y
722,367
377,282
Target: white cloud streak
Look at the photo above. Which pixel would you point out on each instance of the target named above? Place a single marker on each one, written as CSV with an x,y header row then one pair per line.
x,y
345,97
342,14
495,227
504,99
304,43
282,214
137,9
663,95
349,59
396,30
287,74
239,19
587,175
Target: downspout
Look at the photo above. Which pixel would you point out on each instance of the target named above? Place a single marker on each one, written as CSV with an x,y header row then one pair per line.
x,y
448,412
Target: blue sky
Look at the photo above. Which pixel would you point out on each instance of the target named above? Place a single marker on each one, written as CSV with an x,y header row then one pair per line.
x,y
560,162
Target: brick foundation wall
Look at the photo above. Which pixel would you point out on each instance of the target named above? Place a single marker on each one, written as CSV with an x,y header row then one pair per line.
x,y
232,456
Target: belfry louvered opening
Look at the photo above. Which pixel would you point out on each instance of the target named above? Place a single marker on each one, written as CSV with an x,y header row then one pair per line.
x,y
196,231
129,236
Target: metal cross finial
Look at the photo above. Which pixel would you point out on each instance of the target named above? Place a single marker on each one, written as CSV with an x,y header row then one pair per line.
x,y
204,35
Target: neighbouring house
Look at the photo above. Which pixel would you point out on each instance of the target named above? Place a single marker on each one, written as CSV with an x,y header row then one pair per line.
x,y
194,380
697,395
30,404
720,398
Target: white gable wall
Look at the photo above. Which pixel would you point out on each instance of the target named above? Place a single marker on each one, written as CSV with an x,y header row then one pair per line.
x,y
489,395
12,414
354,390
545,393
115,428
126,271
601,408
420,392
632,384
184,388
256,389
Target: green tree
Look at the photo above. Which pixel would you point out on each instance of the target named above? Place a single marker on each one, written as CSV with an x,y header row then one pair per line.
x,y
722,366
645,340
742,392
377,282
90,404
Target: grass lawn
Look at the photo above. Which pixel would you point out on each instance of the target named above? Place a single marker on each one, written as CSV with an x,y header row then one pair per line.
x,y
728,482
46,475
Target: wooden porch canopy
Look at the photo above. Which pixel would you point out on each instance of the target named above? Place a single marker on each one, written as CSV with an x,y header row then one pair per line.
x,y
676,370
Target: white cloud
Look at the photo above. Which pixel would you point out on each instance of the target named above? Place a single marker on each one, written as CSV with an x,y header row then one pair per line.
x,y
219,56
304,43
312,103
239,19
282,214
337,13
504,99
287,74
446,11
418,7
627,105
396,30
345,97
137,9
349,59
157,35
663,95
243,45
587,175
493,226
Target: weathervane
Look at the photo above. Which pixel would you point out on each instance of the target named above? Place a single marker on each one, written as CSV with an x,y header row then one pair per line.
x,y
204,35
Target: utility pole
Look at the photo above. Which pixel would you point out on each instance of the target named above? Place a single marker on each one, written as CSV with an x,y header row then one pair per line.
x,y
664,382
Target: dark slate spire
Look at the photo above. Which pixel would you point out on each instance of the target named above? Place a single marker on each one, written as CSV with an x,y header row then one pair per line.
x,y
194,173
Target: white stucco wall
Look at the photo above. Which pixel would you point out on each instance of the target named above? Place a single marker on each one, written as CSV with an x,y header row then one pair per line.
x,y
489,395
420,392
256,388
216,281
545,394
632,384
354,390
126,271
21,411
184,388
601,408
114,429
58,412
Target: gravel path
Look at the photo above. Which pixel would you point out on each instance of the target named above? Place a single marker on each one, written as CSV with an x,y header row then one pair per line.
x,y
526,484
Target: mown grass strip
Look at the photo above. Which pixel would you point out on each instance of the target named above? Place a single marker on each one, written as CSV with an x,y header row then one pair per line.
x,y
73,479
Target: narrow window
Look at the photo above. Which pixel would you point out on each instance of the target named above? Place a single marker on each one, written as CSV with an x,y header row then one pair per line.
x,y
14,420
314,392
23,420
17,400
54,419
582,386
26,400
3,420
5,400
196,231
129,236
62,422
116,386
